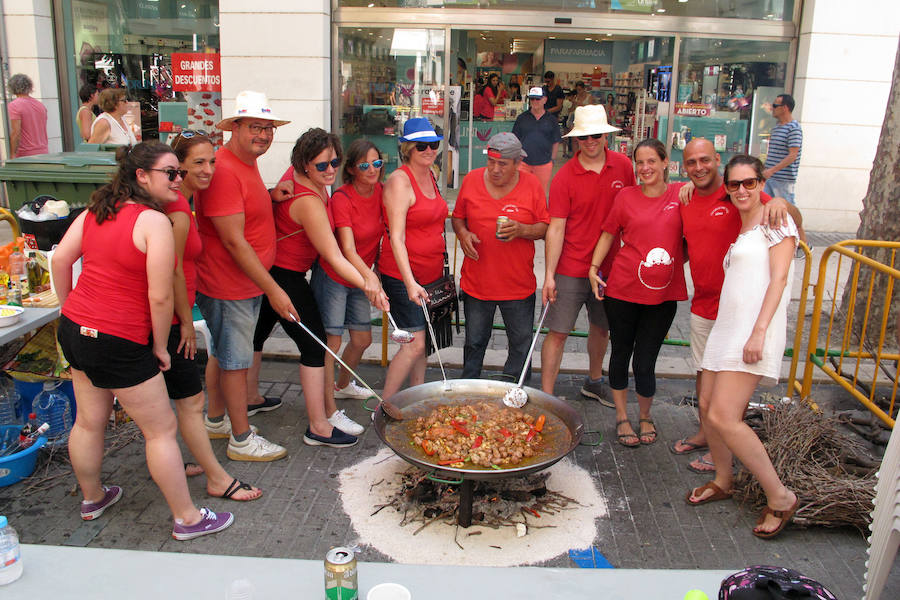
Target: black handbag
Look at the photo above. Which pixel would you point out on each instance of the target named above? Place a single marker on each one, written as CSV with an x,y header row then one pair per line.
x,y
443,303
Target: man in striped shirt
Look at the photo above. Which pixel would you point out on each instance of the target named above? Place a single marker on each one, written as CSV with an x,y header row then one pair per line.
x,y
783,158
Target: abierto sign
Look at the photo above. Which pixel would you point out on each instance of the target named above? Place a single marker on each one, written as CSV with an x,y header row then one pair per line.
x,y
693,109
196,72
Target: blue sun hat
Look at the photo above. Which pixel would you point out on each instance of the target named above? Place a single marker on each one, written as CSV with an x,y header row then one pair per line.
x,y
419,130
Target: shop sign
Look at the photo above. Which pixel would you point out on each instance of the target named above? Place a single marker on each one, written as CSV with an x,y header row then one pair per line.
x,y
693,109
578,51
433,102
196,72
643,6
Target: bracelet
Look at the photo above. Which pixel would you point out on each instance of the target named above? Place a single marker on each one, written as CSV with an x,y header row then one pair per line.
x,y
595,266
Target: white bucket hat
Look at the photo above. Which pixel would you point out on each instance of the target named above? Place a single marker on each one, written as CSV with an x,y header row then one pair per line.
x,y
251,105
590,120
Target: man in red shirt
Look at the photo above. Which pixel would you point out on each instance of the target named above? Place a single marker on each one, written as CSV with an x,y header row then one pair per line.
x,y
581,197
711,224
498,268
236,224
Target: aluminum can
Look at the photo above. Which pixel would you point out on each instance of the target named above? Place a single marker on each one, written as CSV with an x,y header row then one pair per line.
x,y
501,220
340,574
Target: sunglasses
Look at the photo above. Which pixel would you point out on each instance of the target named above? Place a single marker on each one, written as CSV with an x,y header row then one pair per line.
x,y
593,136
172,174
189,133
421,146
749,184
321,167
776,105
364,166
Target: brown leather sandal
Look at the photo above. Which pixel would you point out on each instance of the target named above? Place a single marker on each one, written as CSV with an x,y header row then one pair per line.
x,y
784,515
718,494
621,437
651,435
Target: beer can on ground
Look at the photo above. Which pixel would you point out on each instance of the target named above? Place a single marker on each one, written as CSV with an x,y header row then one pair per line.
x,y
501,220
340,574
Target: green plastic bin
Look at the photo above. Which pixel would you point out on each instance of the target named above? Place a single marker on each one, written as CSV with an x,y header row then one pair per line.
x,y
69,176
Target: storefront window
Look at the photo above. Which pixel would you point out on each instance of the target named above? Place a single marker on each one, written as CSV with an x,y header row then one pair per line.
x,y
385,77
725,93
773,10
164,52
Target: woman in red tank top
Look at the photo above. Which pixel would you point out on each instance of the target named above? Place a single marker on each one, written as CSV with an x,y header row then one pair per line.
x,y
304,232
115,326
412,252
197,158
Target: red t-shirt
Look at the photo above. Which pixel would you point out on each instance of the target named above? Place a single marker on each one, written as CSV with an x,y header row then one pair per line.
x,y
295,250
364,218
711,224
33,134
584,198
111,293
504,270
236,188
424,236
649,267
192,249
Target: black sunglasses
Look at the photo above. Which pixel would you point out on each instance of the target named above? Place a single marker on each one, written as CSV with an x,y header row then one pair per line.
x,y
364,166
172,174
322,166
776,105
189,133
421,146
749,184
593,136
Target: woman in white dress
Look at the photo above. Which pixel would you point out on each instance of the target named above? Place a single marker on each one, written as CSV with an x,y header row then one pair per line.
x,y
746,345
110,127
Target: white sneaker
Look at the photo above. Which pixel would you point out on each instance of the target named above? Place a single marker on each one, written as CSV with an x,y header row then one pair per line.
x,y
222,429
353,390
255,448
340,420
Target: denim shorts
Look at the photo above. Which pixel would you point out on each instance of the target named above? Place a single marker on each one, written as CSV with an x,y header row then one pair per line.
x,y
778,188
231,324
407,314
340,306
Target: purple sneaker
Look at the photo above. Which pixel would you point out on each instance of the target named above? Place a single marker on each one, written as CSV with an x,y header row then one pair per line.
x,y
209,522
92,510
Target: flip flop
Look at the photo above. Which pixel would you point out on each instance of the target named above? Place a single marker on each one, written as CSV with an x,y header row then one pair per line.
x,y
652,435
235,487
701,465
784,515
621,437
193,466
691,447
718,494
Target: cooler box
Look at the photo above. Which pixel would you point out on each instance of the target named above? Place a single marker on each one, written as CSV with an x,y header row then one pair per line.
x,y
69,176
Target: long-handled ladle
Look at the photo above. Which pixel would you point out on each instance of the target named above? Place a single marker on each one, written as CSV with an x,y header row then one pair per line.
x,y
436,350
517,397
389,408
401,336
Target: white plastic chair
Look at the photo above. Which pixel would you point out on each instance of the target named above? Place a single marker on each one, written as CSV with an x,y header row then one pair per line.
x,y
885,527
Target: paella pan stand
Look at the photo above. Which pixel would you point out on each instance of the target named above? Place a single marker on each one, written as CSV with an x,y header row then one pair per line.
x,y
421,399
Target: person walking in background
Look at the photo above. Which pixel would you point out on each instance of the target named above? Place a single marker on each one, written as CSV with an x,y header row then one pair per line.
x,y
114,327
783,158
237,227
554,94
538,132
27,119
580,199
746,345
110,127
644,285
356,208
413,248
498,268
88,94
196,157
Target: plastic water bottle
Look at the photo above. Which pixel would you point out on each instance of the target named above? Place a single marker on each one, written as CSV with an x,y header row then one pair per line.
x,y
10,558
52,406
18,276
8,405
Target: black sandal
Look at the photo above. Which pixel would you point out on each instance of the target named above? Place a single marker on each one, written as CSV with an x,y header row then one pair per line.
x,y
652,435
234,488
621,437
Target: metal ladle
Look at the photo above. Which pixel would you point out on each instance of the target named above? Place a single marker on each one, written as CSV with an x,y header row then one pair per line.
x,y
517,397
389,408
436,350
401,336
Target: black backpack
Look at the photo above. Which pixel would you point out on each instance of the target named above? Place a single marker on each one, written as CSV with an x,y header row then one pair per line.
x,y
762,582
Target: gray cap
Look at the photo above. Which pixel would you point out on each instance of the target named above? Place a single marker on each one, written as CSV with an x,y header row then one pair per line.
x,y
505,145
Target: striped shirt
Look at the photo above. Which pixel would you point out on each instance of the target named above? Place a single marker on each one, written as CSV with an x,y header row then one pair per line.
x,y
784,137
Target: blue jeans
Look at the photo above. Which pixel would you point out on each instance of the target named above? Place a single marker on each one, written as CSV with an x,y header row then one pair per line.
x,y
518,317
778,188
231,324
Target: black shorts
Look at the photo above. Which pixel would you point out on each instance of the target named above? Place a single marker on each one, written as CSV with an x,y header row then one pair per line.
x,y
183,378
110,362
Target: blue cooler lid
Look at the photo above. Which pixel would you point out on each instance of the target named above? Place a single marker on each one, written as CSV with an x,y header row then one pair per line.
x,y
3,522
